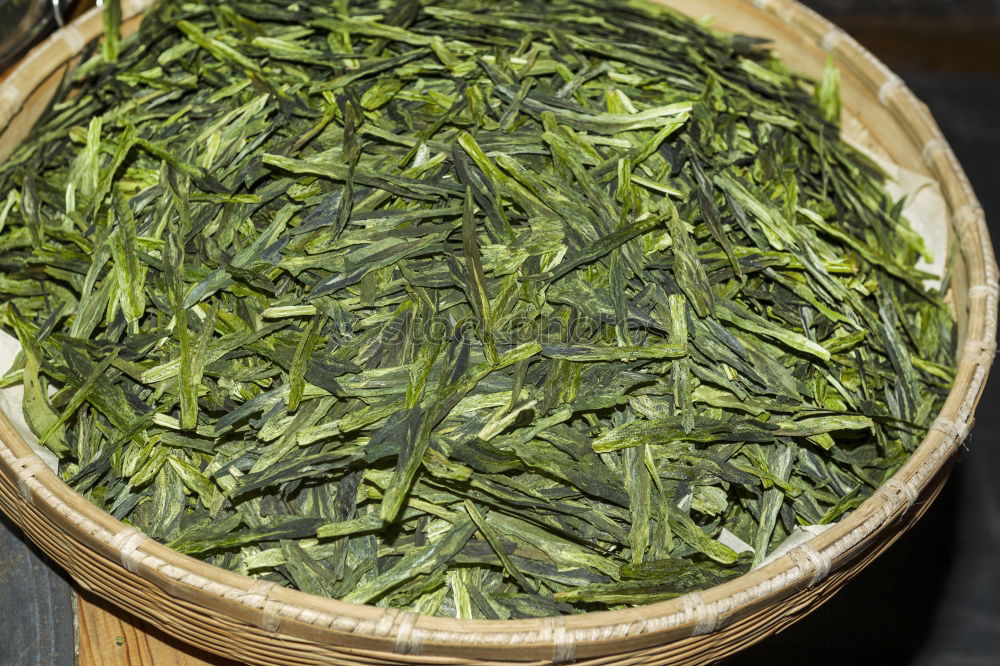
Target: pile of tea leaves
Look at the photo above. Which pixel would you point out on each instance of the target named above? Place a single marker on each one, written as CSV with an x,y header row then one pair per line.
x,y
480,309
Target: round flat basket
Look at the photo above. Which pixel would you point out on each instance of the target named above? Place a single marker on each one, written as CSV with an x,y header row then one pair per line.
x,y
261,623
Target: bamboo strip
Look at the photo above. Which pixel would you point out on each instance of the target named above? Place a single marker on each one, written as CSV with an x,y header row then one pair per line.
x,y
232,615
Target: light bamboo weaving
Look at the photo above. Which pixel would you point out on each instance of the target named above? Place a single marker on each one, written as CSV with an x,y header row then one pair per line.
x,y
260,623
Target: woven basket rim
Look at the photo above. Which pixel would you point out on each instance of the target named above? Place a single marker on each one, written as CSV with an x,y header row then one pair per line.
x,y
290,612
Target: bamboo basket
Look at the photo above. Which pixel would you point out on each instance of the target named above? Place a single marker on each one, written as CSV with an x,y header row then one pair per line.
x,y
235,616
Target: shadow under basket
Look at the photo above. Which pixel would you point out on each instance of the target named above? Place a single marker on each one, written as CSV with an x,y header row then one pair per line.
x,y
232,615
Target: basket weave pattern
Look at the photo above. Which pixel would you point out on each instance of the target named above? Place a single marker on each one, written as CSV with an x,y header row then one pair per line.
x,y
258,622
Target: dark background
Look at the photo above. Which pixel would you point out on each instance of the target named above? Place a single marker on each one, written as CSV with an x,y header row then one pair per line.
x,y
934,598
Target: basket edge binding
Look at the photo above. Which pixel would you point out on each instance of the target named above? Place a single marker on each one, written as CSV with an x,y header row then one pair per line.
x,y
279,611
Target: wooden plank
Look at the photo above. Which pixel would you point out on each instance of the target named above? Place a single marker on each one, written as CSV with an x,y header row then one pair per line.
x,y
36,605
110,637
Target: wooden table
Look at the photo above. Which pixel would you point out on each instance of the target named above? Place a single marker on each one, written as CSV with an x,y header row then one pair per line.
x,y
109,637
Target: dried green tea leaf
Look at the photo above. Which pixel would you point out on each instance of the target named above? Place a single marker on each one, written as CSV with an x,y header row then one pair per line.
x,y
485,309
